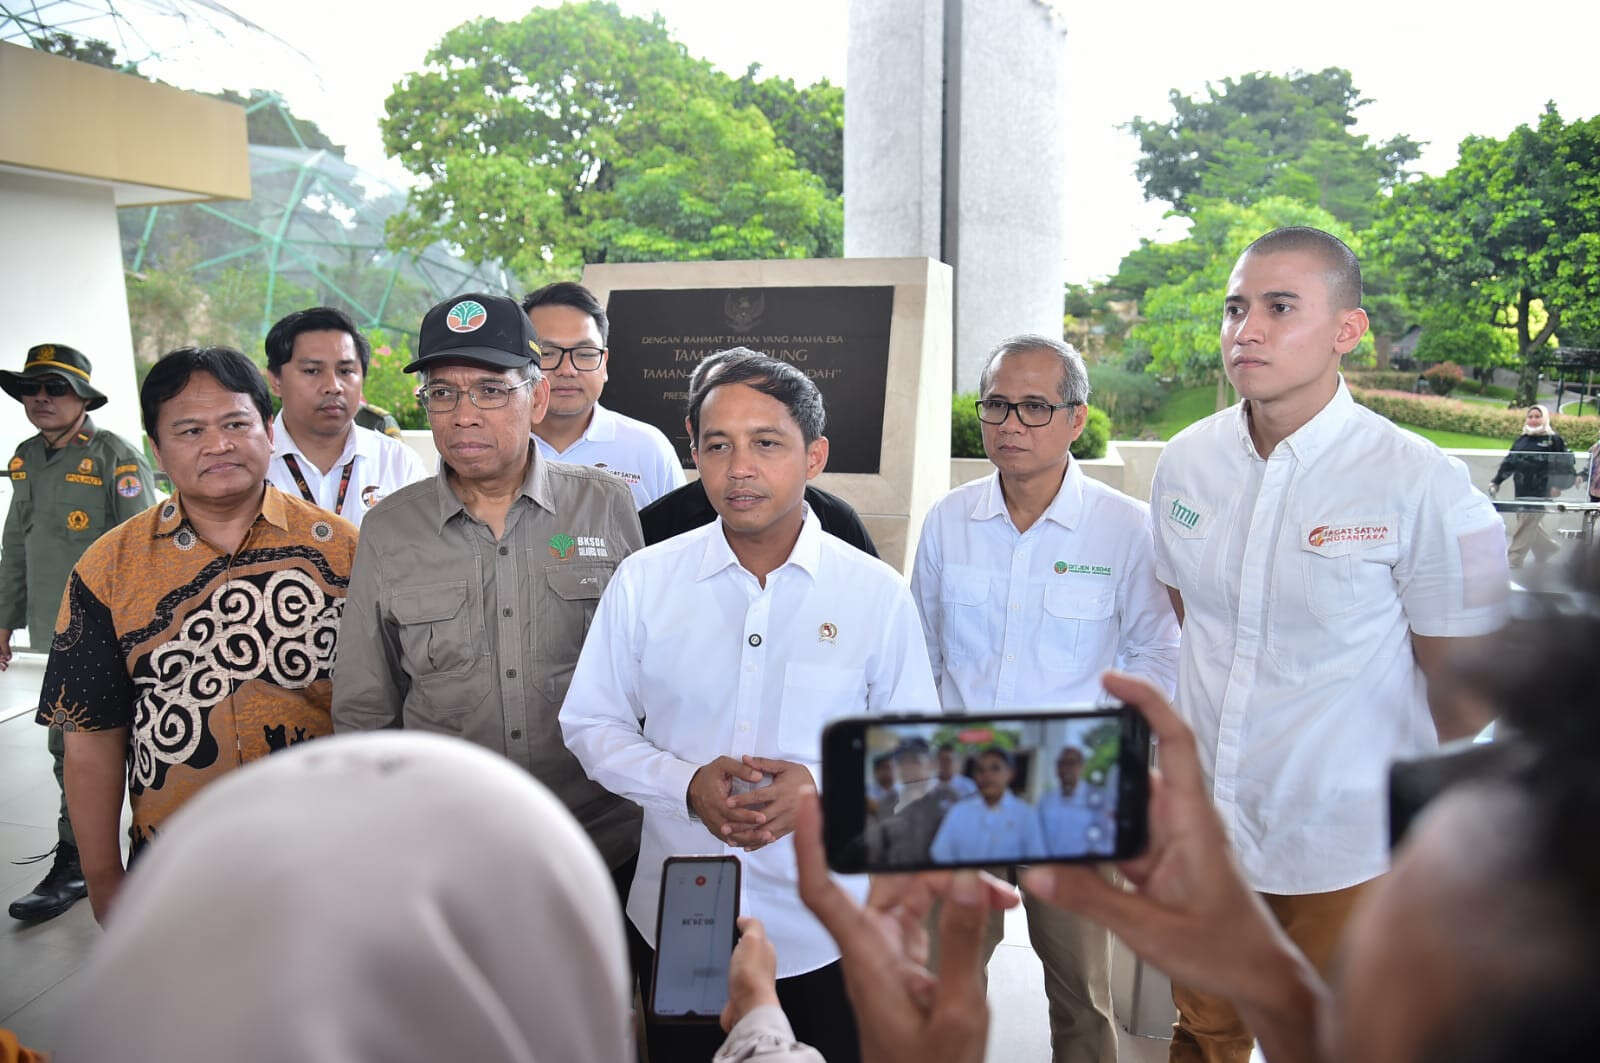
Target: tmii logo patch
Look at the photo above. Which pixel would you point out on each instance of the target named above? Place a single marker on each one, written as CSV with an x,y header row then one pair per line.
x,y
1183,514
561,545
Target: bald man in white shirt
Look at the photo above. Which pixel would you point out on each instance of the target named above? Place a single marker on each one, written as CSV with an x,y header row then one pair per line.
x,y
1324,563
714,661
1031,582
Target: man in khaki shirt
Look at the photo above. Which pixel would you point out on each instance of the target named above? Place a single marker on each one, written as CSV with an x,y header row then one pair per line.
x,y
472,591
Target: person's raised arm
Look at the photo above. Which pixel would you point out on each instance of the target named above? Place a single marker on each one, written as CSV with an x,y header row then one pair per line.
x,y
95,781
1190,912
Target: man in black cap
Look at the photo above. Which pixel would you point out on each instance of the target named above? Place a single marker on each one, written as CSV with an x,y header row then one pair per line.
x,y
472,590
69,484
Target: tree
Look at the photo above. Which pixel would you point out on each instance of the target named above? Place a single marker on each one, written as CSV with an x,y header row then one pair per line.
x,y
1181,318
1510,232
808,121
1265,135
540,142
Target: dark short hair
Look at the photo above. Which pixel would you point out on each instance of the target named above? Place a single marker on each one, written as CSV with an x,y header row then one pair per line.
x,y
782,381
911,747
281,337
566,293
881,759
1001,752
171,374
1344,268
947,747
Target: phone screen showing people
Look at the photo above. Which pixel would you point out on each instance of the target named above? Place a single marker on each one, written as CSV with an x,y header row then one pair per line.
x,y
695,935
975,792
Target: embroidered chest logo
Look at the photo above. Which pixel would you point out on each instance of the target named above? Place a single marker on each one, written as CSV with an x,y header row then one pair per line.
x,y
1333,534
1183,514
561,546
77,520
1064,568
827,633
86,466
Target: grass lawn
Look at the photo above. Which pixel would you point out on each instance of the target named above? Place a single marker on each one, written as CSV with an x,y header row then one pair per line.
x,y
1181,409
1460,440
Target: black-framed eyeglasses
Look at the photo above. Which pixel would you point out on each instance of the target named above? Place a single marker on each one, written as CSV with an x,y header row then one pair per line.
x,y
1030,414
585,357
54,387
442,398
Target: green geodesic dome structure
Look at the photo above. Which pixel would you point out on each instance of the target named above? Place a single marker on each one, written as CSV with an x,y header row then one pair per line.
x,y
313,230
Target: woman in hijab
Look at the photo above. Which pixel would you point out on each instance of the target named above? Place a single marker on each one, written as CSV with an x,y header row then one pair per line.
x,y
1537,474
396,897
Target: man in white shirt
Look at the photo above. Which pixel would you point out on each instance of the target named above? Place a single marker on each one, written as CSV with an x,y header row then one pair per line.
x,y
1031,582
1323,562
573,330
1077,816
995,824
317,362
714,661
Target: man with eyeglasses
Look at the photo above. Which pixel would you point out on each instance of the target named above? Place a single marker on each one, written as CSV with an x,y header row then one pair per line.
x,y
1031,582
573,328
69,484
472,590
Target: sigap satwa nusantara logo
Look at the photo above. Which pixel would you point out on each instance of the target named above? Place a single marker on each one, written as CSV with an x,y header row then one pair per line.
x,y
466,316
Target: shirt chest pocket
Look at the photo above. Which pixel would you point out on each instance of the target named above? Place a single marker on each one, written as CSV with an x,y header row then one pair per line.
x,y
1077,622
814,694
1338,582
963,603
435,628
563,609
79,513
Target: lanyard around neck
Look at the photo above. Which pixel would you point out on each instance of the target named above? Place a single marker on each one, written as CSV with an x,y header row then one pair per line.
x,y
305,488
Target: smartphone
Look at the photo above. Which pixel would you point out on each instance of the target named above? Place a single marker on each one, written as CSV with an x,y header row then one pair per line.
x,y
696,929
979,791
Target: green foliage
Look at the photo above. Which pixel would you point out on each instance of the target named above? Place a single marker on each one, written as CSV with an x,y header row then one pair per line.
x,y
966,431
1471,418
1130,398
1443,378
1513,226
1181,316
1264,136
578,134
809,121
387,385
1180,409
1449,335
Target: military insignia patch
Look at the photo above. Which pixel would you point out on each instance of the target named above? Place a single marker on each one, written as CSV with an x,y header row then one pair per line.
x,y
86,465
77,520
128,486
16,463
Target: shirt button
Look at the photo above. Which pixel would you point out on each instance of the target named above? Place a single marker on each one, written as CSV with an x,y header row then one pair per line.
x,y
755,640
516,733
511,673
744,727
504,550
506,611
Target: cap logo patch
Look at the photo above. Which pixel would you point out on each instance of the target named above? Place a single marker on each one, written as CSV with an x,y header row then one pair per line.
x,y
46,353
466,316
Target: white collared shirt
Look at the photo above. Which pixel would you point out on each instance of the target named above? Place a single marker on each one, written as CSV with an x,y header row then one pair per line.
x,y
382,466
1029,620
689,659
1303,576
636,453
975,830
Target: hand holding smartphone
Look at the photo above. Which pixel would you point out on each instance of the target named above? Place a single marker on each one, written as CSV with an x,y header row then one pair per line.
x,y
969,791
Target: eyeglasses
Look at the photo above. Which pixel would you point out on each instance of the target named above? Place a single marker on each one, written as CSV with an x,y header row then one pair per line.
x,y
585,358
442,398
55,388
1029,414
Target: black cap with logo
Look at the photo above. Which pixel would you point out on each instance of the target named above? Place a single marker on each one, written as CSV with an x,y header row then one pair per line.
x,y
55,359
476,327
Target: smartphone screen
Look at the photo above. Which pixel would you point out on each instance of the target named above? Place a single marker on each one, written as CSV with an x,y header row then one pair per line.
x,y
906,793
696,928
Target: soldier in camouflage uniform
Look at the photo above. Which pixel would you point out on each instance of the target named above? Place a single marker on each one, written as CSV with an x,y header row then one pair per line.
x,y
69,484
378,419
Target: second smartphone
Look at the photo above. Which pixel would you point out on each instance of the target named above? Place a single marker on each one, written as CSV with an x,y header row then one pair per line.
x,y
909,793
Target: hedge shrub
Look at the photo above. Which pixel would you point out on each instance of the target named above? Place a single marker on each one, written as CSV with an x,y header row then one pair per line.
x,y
1473,418
1131,397
1444,377
966,432
1387,379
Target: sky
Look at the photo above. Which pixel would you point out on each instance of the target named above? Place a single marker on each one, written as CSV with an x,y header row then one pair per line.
x,y
1435,70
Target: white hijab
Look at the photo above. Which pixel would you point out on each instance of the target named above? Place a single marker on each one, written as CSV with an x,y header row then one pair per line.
x,y
1544,428
378,897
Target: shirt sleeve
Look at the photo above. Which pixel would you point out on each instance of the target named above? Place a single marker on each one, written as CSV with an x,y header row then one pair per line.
x,y
125,504
1148,639
602,717
902,681
14,564
925,572
1164,571
369,685
86,682
1452,575
763,1035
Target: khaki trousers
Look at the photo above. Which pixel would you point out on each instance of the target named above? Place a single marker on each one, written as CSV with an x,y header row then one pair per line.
x,y
1208,1030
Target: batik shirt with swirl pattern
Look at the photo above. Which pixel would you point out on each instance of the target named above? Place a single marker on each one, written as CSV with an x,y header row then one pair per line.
x,y
210,660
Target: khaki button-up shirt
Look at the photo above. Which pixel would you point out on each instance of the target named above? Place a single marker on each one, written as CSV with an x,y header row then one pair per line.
x,y
447,629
